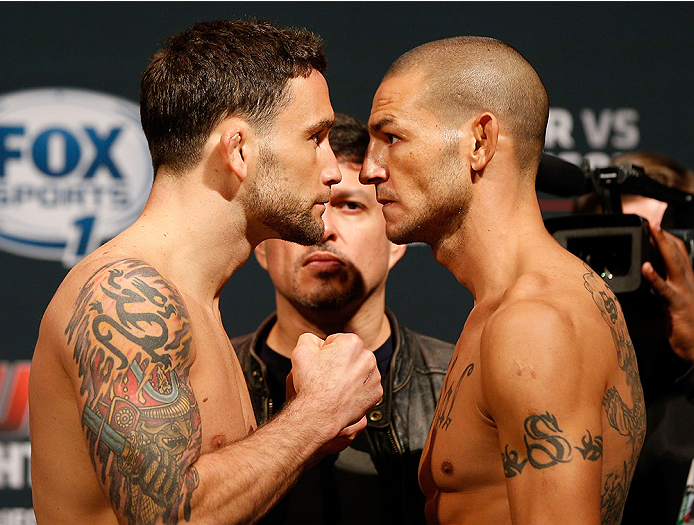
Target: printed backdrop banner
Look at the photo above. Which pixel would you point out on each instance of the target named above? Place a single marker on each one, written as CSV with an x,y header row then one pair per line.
x,y
74,168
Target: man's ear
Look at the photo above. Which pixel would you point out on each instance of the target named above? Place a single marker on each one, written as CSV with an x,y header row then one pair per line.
x,y
261,255
396,253
485,133
234,145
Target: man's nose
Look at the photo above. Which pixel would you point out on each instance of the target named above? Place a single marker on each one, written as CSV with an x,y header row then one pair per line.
x,y
373,169
330,222
331,172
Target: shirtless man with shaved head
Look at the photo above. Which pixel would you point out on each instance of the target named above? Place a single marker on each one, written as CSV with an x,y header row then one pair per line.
x,y
541,417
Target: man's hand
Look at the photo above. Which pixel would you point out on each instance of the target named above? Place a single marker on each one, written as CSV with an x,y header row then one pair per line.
x,y
339,379
677,291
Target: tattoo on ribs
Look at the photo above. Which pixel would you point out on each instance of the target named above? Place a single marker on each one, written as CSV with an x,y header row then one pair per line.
x,y
629,421
449,393
546,447
131,337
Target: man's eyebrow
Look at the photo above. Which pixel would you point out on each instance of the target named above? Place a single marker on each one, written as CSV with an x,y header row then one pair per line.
x,y
375,127
326,123
343,193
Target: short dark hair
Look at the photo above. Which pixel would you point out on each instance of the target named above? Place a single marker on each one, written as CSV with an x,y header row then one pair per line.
x,y
349,138
468,75
218,69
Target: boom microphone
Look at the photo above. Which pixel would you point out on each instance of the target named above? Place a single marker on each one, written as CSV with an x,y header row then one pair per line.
x,y
559,177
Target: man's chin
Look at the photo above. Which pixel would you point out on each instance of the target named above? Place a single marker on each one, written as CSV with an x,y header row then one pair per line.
x,y
402,235
306,234
327,302
327,291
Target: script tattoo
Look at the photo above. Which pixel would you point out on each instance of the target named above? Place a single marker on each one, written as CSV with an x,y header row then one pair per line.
x,y
544,444
546,447
131,337
449,393
629,421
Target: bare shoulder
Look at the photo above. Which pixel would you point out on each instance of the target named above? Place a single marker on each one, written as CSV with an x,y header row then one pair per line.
x,y
559,377
129,298
576,304
126,342
528,345
568,328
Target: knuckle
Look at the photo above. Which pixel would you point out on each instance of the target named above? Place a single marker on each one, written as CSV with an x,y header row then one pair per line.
x,y
352,339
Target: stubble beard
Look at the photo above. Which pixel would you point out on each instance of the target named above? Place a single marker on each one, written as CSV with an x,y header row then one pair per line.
x,y
444,210
275,206
335,290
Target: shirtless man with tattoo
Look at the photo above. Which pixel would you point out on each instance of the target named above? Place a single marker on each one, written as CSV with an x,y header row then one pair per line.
x,y
139,409
541,417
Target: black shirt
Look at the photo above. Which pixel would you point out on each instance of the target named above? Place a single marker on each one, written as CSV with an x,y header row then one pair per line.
x,y
343,488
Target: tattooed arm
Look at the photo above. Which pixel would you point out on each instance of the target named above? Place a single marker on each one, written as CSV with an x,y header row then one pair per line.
x,y
132,342
545,398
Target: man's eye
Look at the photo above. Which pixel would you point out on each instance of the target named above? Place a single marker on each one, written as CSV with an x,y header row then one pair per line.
x,y
392,139
350,206
319,136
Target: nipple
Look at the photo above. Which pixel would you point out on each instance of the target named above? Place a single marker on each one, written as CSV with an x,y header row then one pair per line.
x,y
218,441
447,468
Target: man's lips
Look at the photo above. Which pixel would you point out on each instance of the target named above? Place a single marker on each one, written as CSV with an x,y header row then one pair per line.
x,y
323,260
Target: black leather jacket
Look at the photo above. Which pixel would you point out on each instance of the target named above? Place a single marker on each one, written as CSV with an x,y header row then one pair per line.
x,y
397,427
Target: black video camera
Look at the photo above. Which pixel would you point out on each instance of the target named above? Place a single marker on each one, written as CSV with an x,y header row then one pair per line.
x,y
615,245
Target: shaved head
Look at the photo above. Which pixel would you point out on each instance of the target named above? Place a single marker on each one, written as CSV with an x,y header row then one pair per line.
x,y
466,76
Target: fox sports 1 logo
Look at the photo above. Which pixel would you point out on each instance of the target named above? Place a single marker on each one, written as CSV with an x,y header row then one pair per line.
x,y
75,171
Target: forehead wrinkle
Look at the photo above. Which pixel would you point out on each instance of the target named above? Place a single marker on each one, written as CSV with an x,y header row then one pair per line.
x,y
403,99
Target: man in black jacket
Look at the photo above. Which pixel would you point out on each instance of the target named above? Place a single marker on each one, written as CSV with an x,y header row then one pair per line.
x,y
339,286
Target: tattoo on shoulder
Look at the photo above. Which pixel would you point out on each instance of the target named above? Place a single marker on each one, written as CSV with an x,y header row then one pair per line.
x,y
628,419
131,340
546,446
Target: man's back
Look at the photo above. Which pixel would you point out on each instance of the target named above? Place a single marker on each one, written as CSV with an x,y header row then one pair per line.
x,y
550,356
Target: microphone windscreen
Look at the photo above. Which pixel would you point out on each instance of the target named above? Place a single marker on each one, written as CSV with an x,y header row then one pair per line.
x,y
559,177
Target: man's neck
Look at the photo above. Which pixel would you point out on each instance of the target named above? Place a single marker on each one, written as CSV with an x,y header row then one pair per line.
x,y
369,322
487,254
192,236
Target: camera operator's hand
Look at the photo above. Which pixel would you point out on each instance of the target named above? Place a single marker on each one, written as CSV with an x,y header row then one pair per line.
x,y
677,290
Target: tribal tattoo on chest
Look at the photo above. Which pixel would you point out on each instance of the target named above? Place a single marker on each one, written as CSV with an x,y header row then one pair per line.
x,y
130,334
449,393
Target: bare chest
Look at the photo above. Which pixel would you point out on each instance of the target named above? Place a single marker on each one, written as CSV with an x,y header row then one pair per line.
x,y
226,413
462,452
